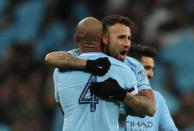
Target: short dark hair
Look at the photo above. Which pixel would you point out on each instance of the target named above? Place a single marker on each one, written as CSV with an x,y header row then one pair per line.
x,y
137,51
114,19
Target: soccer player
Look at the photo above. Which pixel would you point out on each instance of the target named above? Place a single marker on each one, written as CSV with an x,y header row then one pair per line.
x,y
114,43
83,110
162,119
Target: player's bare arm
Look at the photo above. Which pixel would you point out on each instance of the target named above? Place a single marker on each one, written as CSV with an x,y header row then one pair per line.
x,y
144,104
66,61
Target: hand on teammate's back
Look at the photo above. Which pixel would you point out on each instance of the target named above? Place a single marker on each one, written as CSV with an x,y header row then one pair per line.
x,y
98,67
109,89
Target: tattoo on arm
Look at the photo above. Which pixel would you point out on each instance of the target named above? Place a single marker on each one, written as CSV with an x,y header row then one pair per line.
x,y
144,104
134,113
65,60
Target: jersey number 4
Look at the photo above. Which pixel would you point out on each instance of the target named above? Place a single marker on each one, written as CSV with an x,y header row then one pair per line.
x,y
92,100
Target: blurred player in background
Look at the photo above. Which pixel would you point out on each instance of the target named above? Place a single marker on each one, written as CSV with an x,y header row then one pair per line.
x,y
83,110
162,119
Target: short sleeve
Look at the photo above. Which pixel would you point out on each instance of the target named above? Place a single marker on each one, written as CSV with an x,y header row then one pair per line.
x,y
142,79
139,71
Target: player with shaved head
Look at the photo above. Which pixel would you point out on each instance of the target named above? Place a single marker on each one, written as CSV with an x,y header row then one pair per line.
x,y
83,111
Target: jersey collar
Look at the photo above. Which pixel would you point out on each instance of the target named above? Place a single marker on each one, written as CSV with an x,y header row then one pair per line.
x,y
91,53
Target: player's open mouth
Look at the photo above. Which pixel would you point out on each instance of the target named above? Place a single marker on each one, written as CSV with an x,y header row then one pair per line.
x,y
123,54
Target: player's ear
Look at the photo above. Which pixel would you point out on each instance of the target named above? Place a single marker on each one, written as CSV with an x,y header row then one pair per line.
x,y
77,38
105,38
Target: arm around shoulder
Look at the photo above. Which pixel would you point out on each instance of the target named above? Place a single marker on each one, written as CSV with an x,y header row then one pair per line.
x,y
65,60
143,104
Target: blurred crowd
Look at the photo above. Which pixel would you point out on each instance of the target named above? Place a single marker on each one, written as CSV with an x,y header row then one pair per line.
x,y
31,28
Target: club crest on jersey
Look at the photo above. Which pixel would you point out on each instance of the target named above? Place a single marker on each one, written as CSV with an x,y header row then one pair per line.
x,y
142,73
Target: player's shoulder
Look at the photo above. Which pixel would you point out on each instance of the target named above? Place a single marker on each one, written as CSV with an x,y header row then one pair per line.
x,y
158,95
92,55
56,73
132,62
131,59
117,63
56,70
135,65
95,55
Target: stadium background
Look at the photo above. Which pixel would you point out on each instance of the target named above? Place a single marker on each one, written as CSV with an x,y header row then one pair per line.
x,y
31,28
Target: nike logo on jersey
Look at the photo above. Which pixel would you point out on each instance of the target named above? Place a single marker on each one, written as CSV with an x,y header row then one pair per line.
x,y
100,67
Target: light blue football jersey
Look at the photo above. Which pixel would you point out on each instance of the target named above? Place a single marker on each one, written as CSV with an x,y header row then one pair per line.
x,y
136,67
161,119
83,112
142,82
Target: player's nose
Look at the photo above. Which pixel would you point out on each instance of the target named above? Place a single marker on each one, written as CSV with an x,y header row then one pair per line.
x,y
127,43
151,74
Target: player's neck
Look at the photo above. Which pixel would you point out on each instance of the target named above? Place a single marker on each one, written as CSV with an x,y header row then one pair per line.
x,y
105,49
93,48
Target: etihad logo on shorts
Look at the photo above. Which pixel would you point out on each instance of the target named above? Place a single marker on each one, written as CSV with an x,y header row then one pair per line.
x,y
139,124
